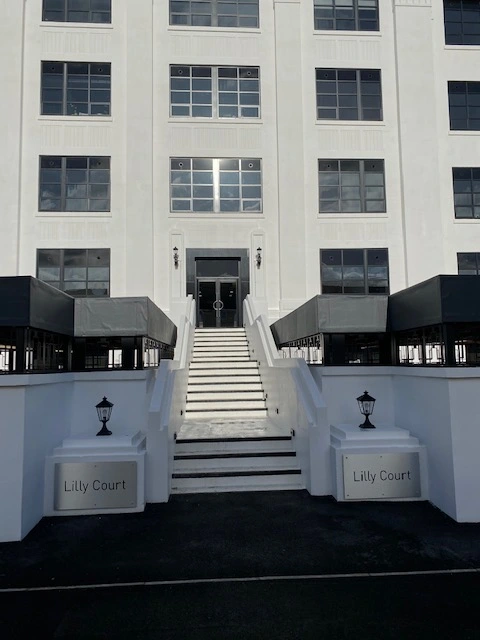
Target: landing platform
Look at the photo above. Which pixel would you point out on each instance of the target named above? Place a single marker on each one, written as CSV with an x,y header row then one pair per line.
x,y
206,429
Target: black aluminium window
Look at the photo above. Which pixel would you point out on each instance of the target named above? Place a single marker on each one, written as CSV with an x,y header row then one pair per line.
x,y
74,183
215,185
218,92
214,13
91,11
349,94
79,272
462,21
348,15
464,105
354,271
351,186
466,192
76,88
468,264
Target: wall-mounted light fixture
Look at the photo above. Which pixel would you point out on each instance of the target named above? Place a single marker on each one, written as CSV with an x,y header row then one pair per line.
x,y
258,257
175,257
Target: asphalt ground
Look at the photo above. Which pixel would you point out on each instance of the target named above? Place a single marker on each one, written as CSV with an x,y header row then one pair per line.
x,y
245,565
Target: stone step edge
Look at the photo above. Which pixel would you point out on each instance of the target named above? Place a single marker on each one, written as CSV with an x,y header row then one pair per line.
x,y
235,439
226,488
230,474
220,456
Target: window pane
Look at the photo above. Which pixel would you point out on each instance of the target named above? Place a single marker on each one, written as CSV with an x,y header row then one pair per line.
x,y
233,13
467,263
354,271
357,92
223,184
72,187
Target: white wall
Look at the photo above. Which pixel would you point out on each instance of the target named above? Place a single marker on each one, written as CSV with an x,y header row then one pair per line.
x,y
437,405
341,386
422,405
12,407
128,390
464,392
48,408
38,412
11,77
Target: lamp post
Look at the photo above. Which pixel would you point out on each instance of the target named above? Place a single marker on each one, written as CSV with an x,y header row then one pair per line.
x,y
366,404
104,410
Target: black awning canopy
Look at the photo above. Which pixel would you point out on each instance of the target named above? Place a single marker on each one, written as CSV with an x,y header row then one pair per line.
x,y
439,300
28,302
333,314
108,317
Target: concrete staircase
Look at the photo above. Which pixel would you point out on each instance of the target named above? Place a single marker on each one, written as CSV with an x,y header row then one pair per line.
x,y
227,442
223,381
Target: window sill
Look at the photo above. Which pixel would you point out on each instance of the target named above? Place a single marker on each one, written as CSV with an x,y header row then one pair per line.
x,y
218,216
350,123
74,214
462,47
350,216
207,30
77,25
466,221
59,119
354,33
463,132
213,121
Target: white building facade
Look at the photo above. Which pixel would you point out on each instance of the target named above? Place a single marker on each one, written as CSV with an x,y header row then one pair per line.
x,y
279,147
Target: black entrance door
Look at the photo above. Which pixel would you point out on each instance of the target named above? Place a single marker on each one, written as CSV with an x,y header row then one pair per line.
x,y
217,302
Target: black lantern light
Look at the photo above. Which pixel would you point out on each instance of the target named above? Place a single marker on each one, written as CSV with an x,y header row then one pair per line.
x,y
258,257
176,257
104,410
366,404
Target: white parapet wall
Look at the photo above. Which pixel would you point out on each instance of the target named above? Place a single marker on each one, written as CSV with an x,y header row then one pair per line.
x,y
294,401
437,405
166,411
39,412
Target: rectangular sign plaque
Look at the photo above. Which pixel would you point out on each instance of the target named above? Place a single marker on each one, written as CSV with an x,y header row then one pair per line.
x,y
377,476
95,485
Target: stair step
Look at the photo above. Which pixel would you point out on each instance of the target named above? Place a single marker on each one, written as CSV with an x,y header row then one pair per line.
x,y
234,465
234,439
235,446
233,365
239,473
232,386
207,342
280,482
229,348
220,333
221,355
226,376
224,404
194,414
224,455
222,396
224,357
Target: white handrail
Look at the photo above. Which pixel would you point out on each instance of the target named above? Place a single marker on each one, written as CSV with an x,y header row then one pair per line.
x,y
167,408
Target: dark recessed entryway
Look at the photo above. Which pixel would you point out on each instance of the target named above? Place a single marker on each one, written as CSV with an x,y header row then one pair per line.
x,y
218,279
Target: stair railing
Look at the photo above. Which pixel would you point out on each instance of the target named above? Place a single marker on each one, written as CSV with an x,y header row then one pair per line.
x,y
293,400
167,409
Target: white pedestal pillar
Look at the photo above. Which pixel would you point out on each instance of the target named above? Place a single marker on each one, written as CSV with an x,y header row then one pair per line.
x,y
86,476
385,463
